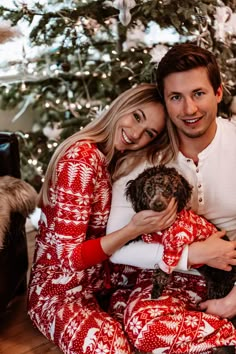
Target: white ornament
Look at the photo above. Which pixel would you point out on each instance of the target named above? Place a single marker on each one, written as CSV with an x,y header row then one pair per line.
x,y
8,32
224,22
29,99
135,36
158,52
124,6
52,132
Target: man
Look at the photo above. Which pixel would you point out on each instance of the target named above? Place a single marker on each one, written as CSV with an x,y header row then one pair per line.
x,y
189,81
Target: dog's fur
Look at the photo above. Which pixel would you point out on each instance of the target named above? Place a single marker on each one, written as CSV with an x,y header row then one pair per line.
x,y
16,196
153,189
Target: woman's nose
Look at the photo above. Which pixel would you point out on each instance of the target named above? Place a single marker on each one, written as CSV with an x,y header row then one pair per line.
x,y
137,132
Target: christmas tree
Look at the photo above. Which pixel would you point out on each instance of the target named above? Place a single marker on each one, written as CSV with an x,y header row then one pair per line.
x,y
90,51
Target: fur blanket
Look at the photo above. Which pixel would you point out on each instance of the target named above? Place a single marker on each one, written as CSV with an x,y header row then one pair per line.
x,y
15,196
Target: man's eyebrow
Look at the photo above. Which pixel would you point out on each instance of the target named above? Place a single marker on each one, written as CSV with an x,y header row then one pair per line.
x,y
198,89
173,93
180,93
145,118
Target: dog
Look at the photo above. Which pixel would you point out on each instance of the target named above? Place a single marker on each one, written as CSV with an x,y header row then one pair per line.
x,y
17,196
153,189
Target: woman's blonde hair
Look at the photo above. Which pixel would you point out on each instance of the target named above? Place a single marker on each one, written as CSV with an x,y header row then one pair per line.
x,y
102,131
173,137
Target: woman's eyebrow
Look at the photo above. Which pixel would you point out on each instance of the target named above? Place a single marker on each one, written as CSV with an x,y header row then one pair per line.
x,y
142,112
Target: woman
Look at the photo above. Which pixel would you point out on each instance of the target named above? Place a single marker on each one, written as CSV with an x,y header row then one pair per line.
x,y
70,273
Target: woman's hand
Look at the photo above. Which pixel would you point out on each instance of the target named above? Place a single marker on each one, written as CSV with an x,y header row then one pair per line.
x,y
215,252
145,221
148,221
225,307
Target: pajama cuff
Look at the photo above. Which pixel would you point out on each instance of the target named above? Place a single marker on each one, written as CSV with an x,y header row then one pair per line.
x,y
92,253
183,262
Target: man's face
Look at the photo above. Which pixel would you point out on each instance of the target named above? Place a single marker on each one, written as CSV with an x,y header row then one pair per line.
x,y
191,103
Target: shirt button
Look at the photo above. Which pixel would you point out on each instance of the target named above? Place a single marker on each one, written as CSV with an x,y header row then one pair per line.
x,y
197,170
188,160
199,186
200,200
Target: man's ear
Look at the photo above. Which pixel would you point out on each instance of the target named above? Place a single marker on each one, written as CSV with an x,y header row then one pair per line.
x,y
219,93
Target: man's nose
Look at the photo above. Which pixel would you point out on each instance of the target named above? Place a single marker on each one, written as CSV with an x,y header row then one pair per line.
x,y
190,106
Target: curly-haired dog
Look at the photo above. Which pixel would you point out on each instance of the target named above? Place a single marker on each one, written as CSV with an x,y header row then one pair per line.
x,y
17,196
153,189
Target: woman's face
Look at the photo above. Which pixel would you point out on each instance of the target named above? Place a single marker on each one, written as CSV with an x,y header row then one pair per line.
x,y
137,129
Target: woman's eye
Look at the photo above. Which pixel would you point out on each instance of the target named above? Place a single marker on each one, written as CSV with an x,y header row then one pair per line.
x,y
137,117
150,134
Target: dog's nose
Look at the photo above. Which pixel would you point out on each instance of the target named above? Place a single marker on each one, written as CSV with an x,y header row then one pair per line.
x,y
158,206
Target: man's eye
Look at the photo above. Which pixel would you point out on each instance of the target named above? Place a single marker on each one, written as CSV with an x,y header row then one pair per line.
x,y
199,93
137,117
175,98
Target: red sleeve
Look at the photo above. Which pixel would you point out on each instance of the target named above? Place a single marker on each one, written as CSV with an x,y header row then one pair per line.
x,y
82,203
92,253
88,254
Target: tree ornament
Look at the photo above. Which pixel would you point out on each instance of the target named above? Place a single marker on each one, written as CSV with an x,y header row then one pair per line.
x,y
135,36
158,52
224,23
202,37
124,6
7,32
66,66
52,131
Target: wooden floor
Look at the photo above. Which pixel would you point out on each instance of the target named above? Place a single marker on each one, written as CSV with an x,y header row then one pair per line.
x,y
17,334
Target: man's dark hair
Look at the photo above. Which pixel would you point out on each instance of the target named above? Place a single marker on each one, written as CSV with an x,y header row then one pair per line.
x,y
187,56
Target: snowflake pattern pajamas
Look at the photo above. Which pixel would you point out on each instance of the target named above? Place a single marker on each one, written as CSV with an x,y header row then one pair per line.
x,y
172,323
62,299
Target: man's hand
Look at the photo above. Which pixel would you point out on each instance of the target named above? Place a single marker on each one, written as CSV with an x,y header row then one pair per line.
x,y
225,307
215,252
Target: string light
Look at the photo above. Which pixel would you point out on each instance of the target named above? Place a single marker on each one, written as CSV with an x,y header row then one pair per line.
x,y
23,86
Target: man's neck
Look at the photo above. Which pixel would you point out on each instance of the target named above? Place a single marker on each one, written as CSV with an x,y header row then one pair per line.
x,y
191,147
190,152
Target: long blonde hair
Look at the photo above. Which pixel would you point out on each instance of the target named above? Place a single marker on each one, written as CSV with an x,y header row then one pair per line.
x,y
102,130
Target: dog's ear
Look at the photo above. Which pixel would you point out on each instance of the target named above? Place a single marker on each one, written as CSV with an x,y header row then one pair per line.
x,y
134,193
183,193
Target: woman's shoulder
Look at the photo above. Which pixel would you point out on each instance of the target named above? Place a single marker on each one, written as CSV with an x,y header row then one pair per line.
x,y
83,149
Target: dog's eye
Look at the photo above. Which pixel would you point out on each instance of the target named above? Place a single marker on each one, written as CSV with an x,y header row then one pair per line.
x,y
168,190
149,190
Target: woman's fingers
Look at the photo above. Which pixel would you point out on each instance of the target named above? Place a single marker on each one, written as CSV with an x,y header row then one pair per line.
x,y
169,215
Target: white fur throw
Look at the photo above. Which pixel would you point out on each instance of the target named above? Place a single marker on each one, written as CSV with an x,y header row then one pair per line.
x,y
15,196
